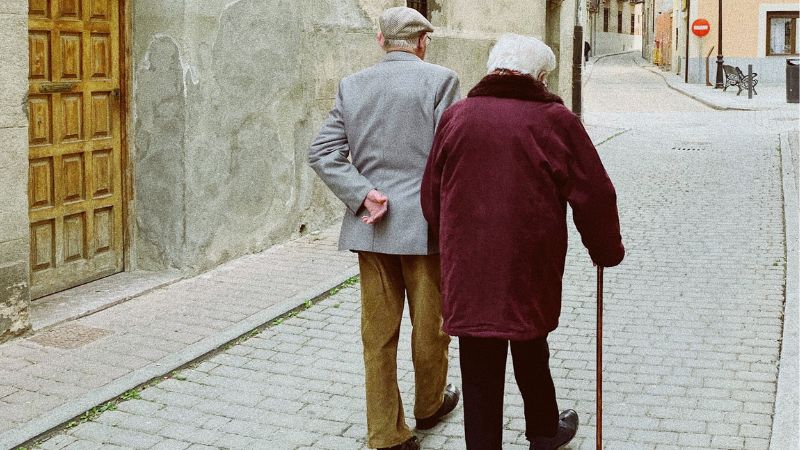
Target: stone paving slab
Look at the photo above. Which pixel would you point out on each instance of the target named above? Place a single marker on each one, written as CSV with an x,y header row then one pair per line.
x,y
693,319
117,349
96,296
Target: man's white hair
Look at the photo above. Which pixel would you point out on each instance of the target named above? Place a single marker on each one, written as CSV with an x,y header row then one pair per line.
x,y
406,44
523,54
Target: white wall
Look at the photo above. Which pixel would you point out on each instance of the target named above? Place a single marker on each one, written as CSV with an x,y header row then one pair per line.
x,y
609,43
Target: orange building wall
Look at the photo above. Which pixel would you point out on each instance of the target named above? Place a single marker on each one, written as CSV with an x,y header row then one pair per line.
x,y
664,32
740,25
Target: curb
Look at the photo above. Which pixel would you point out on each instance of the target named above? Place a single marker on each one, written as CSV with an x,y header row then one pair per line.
x,y
177,277
785,434
595,59
65,413
710,104
702,100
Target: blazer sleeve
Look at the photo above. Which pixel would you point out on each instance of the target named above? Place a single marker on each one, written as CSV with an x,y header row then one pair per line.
x,y
328,156
591,194
430,190
448,93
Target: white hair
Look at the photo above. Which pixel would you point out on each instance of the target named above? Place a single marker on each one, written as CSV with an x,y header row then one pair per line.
x,y
407,44
523,54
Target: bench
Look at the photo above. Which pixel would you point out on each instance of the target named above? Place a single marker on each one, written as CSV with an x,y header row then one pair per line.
x,y
735,77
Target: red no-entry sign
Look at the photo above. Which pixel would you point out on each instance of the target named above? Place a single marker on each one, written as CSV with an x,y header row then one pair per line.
x,y
701,27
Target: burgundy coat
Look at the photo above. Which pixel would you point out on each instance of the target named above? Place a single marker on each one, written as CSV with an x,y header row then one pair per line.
x,y
505,162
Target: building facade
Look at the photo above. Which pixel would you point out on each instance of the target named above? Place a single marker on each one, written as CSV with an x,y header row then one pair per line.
x,y
662,45
614,26
763,33
153,134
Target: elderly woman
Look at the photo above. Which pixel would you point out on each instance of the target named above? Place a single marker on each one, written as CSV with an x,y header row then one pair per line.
x,y
505,162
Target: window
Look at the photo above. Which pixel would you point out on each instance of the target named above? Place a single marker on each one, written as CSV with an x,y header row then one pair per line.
x,y
605,20
633,23
619,21
782,33
419,5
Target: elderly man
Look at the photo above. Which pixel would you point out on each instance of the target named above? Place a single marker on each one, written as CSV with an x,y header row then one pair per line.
x,y
384,119
504,165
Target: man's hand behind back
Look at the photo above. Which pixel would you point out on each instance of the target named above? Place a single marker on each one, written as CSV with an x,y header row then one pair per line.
x,y
377,205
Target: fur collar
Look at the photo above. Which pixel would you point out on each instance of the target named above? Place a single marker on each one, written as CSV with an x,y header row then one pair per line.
x,y
521,87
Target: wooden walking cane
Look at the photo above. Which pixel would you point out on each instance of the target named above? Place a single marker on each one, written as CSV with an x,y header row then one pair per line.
x,y
599,437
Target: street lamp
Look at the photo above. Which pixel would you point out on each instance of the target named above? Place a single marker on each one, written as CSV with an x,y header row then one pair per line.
x,y
719,82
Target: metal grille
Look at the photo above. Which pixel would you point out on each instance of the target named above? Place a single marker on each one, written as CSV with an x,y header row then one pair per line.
x,y
691,146
421,6
69,336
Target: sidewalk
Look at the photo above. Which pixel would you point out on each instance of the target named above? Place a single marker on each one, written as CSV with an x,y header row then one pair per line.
x,y
50,378
769,97
694,323
693,329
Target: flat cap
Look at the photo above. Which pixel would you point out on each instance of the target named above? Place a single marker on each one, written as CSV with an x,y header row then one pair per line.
x,y
403,23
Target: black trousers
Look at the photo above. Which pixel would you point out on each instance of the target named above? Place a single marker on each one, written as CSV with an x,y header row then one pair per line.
x,y
483,373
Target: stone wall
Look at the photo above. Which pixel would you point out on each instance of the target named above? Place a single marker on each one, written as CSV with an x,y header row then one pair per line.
x,y
227,96
473,18
14,247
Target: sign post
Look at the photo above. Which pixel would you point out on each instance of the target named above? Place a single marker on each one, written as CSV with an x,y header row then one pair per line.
x,y
700,28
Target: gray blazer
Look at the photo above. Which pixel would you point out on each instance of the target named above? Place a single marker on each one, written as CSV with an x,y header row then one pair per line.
x,y
384,118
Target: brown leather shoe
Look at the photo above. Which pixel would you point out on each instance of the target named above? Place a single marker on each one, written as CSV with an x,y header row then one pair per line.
x,y
451,397
411,444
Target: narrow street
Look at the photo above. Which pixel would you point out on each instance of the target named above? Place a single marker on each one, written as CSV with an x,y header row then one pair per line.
x,y
693,316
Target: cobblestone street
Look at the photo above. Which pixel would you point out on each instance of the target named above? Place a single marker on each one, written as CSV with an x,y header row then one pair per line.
x,y
693,317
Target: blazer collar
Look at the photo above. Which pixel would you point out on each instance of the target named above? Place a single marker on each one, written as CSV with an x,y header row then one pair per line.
x,y
520,87
400,56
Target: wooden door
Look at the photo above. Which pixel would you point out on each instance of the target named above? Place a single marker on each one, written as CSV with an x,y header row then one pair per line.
x,y
75,171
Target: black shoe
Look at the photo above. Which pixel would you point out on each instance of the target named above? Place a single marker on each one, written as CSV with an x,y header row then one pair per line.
x,y
451,397
567,427
411,444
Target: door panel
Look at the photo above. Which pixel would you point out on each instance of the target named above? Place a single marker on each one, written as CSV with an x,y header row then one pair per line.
x,y
75,173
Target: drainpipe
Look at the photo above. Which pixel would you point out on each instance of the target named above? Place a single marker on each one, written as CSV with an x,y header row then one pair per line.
x,y
645,28
653,28
577,64
686,66
577,72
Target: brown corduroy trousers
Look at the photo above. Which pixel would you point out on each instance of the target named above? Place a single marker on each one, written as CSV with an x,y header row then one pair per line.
x,y
386,280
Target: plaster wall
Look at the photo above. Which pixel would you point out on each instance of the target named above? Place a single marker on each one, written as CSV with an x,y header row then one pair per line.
x,y
769,70
664,36
489,18
744,39
560,26
614,7
14,234
679,38
744,24
639,22
622,7
227,96
610,43
648,29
